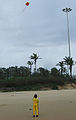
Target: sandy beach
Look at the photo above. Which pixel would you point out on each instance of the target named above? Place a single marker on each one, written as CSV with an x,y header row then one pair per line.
x,y
54,105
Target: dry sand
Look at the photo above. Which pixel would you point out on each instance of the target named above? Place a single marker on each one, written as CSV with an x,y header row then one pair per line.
x,y
54,105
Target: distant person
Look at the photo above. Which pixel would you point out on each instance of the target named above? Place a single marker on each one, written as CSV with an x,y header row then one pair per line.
x,y
35,106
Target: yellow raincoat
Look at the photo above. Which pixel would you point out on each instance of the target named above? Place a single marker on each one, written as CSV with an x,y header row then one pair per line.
x,y
35,106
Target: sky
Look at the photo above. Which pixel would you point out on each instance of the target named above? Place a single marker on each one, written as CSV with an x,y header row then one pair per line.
x,y
40,28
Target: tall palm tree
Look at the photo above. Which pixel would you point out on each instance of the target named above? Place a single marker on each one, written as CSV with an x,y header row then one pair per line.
x,y
69,62
66,62
30,63
35,57
62,68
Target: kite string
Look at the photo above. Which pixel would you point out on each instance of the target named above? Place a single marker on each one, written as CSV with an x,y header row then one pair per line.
x,y
22,11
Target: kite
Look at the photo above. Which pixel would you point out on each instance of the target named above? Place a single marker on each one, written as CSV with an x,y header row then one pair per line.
x,y
27,3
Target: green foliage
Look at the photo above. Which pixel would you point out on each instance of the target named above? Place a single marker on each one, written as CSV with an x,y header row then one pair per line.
x,y
54,87
69,62
55,72
34,57
43,72
20,78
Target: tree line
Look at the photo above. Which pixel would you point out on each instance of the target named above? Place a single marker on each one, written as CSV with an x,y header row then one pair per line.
x,y
22,78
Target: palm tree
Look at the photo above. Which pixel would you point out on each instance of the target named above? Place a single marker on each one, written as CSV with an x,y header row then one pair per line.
x,y
30,63
35,57
69,62
66,62
62,68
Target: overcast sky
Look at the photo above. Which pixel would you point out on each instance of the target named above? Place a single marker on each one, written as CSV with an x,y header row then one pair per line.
x,y
39,28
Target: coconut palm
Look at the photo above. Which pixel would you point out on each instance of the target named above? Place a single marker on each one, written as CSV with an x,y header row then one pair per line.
x,y
62,68
35,57
69,62
30,63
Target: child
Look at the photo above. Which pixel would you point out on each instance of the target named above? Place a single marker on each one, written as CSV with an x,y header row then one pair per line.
x,y
35,106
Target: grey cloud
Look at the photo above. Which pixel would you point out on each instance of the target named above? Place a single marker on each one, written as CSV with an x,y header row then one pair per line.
x,y
39,28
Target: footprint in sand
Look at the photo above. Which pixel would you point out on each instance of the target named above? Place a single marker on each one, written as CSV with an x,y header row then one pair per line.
x,y
30,108
3,105
70,101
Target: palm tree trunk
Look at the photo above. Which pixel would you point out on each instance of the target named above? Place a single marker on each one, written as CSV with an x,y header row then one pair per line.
x,y
30,68
61,71
35,66
70,71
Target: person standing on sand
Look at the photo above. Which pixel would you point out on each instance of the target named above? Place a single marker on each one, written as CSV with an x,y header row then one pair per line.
x,y
35,105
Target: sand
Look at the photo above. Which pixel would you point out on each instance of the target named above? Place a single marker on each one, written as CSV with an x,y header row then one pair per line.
x,y
54,105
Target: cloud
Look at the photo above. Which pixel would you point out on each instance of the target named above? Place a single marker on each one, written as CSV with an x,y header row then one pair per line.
x,y
40,28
